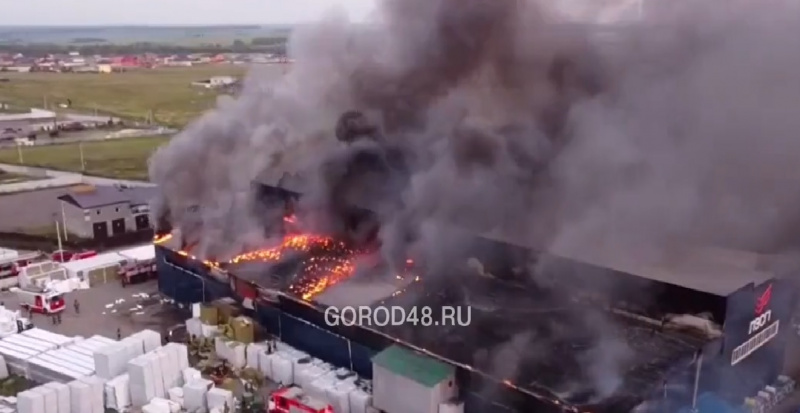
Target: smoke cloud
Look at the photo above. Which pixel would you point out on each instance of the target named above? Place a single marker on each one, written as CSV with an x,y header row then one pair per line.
x,y
681,126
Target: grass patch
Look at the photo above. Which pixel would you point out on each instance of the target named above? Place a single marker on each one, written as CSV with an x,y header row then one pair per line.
x,y
117,158
167,92
11,178
12,385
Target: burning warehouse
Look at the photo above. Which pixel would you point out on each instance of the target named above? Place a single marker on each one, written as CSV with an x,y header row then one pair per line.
x,y
589,334
483,117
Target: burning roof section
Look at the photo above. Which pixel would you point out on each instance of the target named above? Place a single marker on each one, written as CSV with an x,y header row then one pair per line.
x,y
548,343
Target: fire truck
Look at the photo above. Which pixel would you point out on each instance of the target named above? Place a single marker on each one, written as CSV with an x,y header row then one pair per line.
x,y
67,256
10,264
294,400
137,271
42,300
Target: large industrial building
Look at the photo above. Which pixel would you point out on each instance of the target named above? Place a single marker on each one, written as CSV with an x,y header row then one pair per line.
x,y
602,336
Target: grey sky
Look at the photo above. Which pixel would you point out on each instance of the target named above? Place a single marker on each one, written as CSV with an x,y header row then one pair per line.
x,y
162,12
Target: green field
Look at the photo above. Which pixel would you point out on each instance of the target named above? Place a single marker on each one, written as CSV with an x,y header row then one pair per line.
x,y
119,158
167,92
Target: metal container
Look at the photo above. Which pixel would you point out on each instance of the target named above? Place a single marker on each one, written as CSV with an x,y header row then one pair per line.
x,y
408,382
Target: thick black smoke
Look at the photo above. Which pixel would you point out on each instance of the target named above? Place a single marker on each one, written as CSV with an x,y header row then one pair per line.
x,y
507,120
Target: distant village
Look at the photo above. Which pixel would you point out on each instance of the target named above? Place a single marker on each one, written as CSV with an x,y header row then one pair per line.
x,y
74,62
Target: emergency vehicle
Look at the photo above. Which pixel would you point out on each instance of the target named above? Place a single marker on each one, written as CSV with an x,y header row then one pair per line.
x,y
11,262
294,400
138,271
41,300
67,256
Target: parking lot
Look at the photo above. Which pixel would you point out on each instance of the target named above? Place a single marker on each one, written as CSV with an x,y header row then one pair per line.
x,y
105,308
33,209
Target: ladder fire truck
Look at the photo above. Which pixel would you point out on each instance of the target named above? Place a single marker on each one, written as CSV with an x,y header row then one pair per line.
x,y
294,400
40,300
137,271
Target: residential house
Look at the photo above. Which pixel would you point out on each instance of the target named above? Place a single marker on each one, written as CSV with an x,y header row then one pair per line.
x,y
100,212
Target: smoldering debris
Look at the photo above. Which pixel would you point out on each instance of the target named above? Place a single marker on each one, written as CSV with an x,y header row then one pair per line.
x,y
679,126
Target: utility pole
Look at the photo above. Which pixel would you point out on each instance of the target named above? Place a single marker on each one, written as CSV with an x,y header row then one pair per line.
x,y
58,235
64,221
83,161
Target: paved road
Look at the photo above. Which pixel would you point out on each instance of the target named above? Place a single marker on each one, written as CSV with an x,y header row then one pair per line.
x,y
107,307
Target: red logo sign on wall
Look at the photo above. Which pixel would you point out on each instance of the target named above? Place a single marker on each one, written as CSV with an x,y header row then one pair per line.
x,y
762,302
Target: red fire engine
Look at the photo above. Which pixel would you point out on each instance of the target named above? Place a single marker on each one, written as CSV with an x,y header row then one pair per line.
x,y
138,271
41,300
66,256
293,400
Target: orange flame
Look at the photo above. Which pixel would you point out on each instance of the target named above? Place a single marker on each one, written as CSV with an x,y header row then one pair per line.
x,y
331,261
162,239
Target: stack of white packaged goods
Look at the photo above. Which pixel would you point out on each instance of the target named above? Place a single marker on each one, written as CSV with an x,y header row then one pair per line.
x,y
29,342
159,405
217,398
176,395
151,339
8,321
117,392
319,387
253,353
231,351
282,368
142,386
310,372
194,327
338,395
194,394
112,360
451,407
81,397
97,386
265,364
90,345
63,401
70,362
3,368
190,374
134,345
179,357
50,397
30,401
360,400
16,353
59,340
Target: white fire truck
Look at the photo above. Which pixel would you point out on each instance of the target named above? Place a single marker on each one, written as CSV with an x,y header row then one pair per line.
x,y
40,300
137,271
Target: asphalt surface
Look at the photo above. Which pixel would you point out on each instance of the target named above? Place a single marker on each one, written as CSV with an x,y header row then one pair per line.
x,y
31,209
105,308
